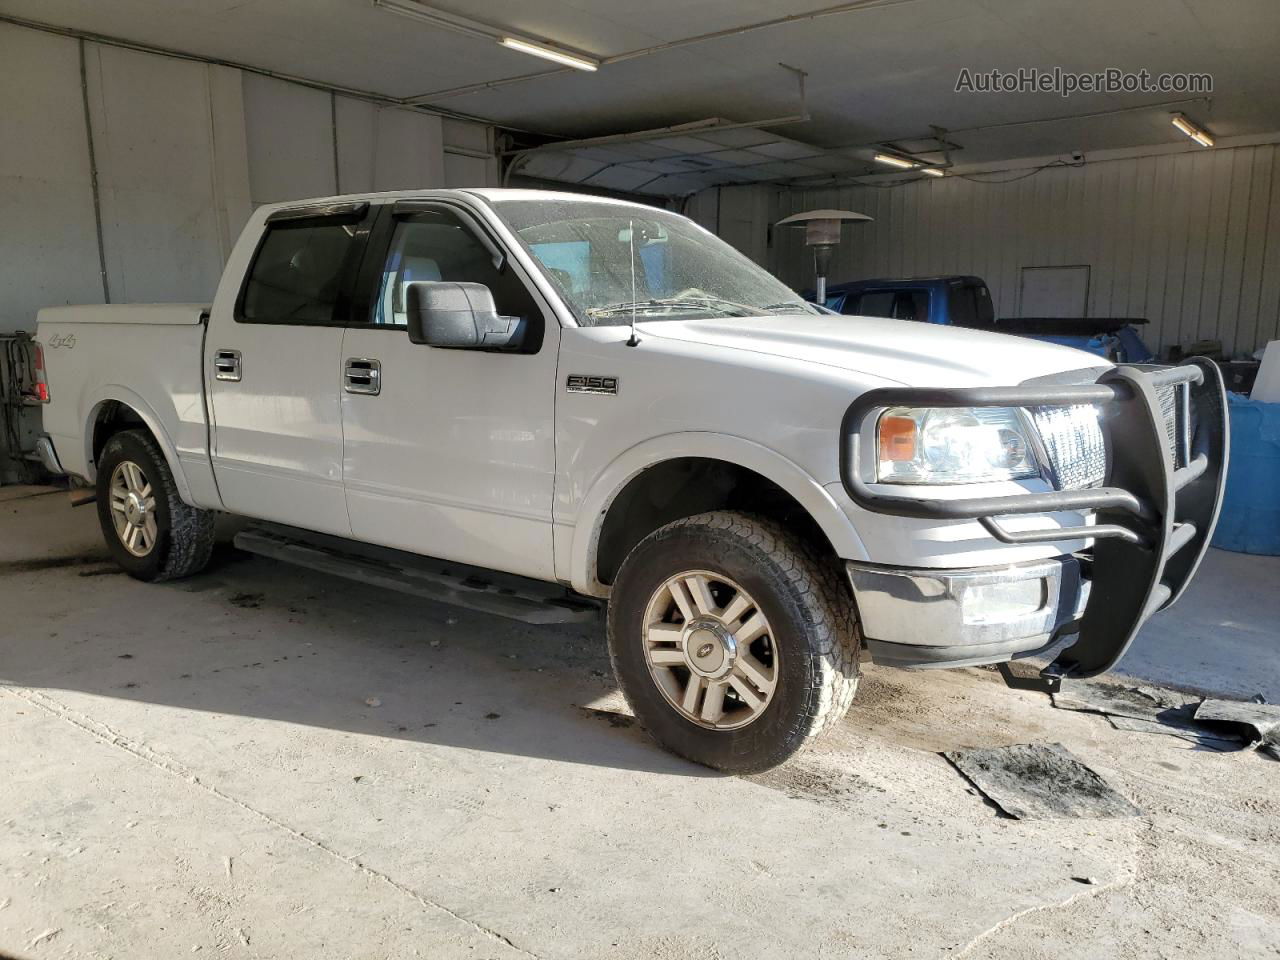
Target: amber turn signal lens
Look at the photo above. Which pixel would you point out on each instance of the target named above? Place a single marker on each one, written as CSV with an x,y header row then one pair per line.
x,y
897,439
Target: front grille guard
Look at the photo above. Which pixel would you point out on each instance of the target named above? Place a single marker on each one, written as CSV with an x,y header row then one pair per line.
x,y
1155,520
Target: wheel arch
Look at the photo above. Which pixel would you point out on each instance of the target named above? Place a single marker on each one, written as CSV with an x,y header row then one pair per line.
x,y
119,408
598,546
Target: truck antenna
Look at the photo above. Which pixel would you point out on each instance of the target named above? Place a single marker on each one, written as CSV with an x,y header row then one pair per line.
x,y
631,237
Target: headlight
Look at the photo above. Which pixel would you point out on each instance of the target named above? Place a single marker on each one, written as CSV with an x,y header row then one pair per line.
x,y
954,445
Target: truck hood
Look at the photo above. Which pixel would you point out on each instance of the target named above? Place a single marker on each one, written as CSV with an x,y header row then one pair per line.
x,y
906,352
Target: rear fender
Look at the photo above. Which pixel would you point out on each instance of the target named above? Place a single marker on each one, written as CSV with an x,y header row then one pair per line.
x,y
126,397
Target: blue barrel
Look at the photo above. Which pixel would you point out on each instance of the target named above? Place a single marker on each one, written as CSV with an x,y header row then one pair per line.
x,y
1250,519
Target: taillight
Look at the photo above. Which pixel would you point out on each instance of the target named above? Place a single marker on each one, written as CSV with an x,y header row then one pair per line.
x,y
40,389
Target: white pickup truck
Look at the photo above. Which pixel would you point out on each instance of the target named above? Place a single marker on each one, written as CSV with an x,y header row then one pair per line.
x,y
561,400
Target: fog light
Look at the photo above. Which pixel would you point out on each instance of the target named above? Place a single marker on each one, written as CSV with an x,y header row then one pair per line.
x,y
1001,602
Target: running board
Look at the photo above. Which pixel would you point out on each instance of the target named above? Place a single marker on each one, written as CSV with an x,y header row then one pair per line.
x,y
501,594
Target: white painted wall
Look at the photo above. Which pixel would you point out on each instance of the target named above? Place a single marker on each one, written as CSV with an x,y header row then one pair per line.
x,y
311,143
48,243
290,131
183,152
1191,241
166,207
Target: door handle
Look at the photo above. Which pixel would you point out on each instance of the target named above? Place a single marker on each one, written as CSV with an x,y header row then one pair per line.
x,y
227,365
362,375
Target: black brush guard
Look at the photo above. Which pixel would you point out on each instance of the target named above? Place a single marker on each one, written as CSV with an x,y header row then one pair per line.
x,y
1155,520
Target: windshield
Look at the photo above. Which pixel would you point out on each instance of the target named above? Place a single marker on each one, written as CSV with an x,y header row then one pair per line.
x,y
610,261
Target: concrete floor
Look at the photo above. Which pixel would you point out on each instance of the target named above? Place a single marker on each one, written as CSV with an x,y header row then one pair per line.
x,y
265,762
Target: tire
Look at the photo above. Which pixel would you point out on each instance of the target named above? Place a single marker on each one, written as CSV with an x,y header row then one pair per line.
x,y
808,656
162,538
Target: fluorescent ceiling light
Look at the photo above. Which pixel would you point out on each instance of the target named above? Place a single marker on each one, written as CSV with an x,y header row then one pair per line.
x,y
932,172
550,53
899,162
1200,136
445,20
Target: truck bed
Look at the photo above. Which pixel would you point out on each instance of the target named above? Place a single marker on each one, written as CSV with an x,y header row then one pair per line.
x,y
148,356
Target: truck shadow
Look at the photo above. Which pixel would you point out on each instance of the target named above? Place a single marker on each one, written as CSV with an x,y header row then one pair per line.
x,y
258,639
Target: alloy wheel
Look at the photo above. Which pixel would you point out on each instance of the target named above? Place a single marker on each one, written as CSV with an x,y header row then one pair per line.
x,y
133,508
710,650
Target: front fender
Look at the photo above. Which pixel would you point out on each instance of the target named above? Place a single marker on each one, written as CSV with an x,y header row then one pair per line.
x,y
708,446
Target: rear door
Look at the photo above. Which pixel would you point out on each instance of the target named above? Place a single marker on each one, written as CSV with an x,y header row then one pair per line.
x,y
274,369
449,453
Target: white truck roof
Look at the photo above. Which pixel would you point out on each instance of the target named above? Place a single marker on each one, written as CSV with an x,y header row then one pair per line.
x,y
487,193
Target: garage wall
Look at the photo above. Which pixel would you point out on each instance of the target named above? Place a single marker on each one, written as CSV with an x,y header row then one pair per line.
x,y
48,244
311,143
1190,241
182,152
168,206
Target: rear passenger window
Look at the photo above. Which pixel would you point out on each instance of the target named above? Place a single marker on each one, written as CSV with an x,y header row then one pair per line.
x,y
297,275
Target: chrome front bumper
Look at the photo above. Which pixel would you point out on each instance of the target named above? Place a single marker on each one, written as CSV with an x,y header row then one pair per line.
x,y
956,618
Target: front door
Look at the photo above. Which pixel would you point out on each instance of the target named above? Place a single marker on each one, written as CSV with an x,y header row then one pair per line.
x,y
273,369
449,453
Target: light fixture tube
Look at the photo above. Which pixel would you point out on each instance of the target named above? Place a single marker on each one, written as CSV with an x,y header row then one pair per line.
x,y
550,53
1200,136
893,161
445,20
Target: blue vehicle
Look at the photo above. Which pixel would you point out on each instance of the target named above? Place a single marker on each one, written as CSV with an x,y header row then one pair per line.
x,y
966,302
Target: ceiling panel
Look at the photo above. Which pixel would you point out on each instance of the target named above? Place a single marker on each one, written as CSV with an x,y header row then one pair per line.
x,y
786,150
875,74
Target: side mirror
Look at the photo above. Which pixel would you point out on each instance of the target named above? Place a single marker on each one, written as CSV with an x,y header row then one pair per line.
x,y
461,316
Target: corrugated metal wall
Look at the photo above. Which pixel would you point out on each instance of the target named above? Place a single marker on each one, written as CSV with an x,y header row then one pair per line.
x,y
1190,241
180,152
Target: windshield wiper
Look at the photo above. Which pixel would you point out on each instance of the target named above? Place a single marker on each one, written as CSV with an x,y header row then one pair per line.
x,y
660,303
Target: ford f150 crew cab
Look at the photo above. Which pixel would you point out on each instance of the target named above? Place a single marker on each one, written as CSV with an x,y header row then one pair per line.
x,y
531,402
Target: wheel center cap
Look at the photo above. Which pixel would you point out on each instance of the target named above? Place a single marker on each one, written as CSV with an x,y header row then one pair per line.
x,y
709,648
135,510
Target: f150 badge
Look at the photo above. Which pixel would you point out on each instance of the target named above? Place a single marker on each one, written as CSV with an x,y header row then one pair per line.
x,y
589,383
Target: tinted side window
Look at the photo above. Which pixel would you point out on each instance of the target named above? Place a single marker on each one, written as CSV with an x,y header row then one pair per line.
x,y
970,306
985,308
898,304
960,306
912,305
436,245
877,303
297,274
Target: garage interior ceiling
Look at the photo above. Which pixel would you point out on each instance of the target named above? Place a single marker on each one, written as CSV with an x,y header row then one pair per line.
x,y
684,162
878,72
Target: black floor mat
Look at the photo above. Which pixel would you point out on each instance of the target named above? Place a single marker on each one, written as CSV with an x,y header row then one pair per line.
x,y
1040,781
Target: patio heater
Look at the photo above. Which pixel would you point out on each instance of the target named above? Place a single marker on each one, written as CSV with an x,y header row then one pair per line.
x,y
822,232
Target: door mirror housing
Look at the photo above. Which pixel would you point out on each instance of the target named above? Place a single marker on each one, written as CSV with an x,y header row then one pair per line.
x,y
459,316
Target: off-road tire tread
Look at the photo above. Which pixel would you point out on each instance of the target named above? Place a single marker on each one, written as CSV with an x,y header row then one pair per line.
x,y
191,530
829,617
